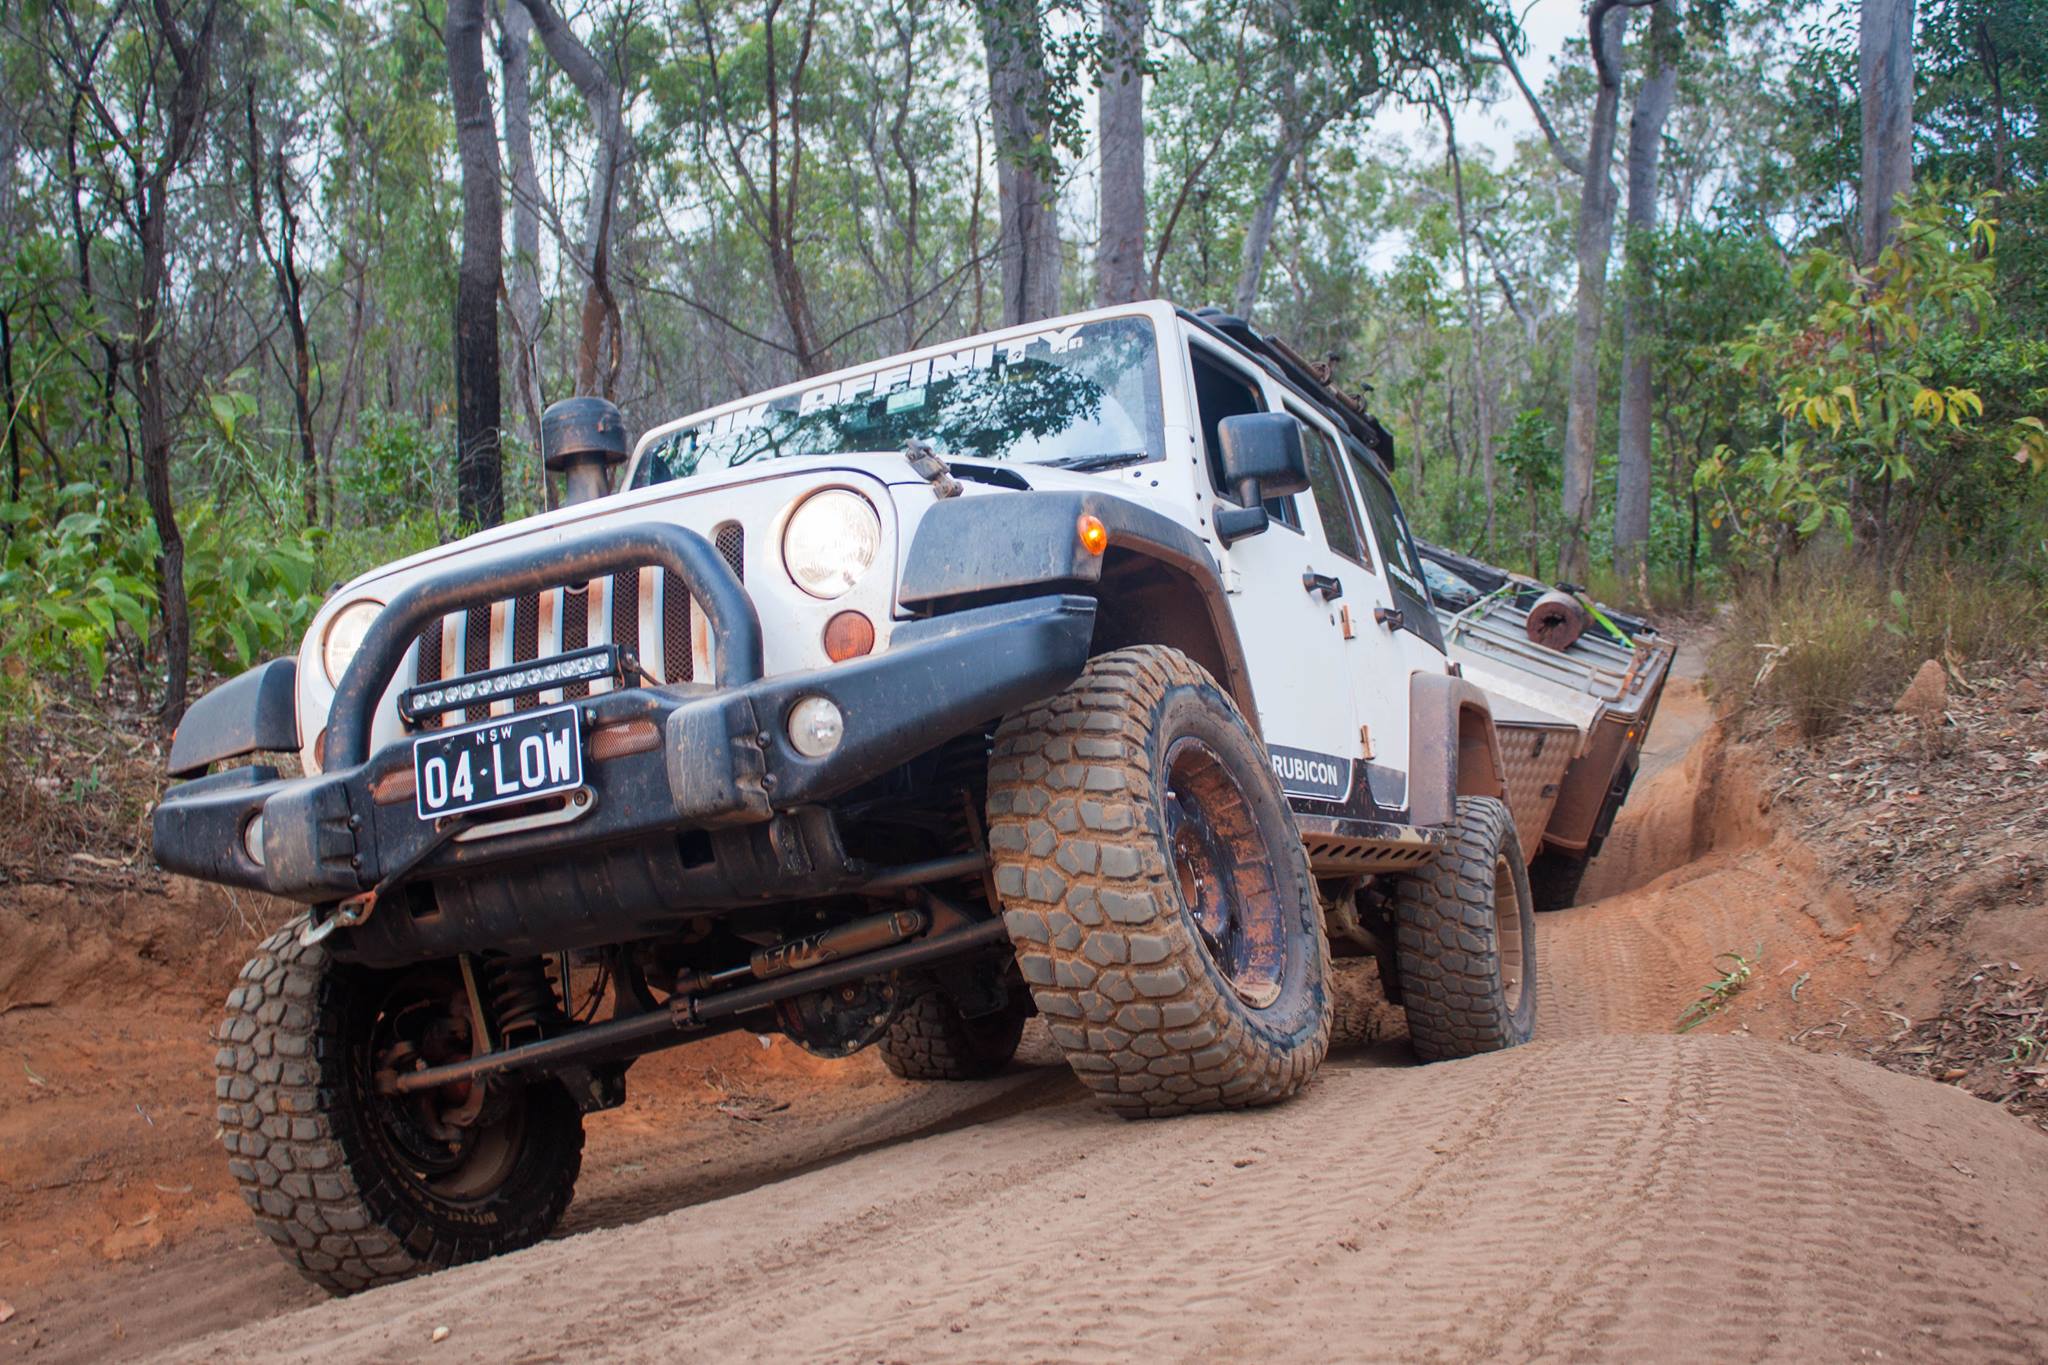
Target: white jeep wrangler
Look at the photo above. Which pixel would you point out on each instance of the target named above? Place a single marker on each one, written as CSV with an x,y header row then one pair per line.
x,y
1085,668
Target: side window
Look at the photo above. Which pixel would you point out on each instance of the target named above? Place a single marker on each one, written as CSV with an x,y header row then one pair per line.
x,y
1222,392
1388,528
1326,486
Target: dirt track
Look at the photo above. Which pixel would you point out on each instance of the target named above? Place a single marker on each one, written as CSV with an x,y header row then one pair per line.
x,y
1612,1191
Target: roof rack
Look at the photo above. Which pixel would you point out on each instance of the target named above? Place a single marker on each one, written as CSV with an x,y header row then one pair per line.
x,y
1312,379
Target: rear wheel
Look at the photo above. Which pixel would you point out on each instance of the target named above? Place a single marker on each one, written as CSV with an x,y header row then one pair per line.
x,y
931,1040
358,1188
1554,880
1466,940
1155,887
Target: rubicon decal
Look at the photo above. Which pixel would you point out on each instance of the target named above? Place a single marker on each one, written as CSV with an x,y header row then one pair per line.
x,y
1325,777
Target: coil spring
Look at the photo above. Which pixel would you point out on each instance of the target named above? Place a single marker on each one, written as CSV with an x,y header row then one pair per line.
x,y
521,995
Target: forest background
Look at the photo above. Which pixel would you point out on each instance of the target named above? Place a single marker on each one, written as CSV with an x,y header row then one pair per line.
x,y
1759,304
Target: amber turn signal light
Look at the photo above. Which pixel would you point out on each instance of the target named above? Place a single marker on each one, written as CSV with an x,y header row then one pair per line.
x,y
1094,535
848,635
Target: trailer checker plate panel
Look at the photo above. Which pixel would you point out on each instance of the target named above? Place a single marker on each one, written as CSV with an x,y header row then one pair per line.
x,y
498,762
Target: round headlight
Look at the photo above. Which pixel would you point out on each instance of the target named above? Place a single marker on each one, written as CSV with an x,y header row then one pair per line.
x,y
345,636
829,542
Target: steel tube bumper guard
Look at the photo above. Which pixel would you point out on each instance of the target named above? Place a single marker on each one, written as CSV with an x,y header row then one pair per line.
x,y
657,760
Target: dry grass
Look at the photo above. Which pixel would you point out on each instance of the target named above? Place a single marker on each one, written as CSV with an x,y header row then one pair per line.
x,y
1833,639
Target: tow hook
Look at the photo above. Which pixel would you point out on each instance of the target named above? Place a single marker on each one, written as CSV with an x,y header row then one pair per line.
x,y
358,908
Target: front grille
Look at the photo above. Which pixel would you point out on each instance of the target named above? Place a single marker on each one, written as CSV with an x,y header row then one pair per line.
x,y
558,620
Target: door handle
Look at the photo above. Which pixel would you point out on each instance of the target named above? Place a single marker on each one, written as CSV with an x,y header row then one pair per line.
x,y
1390,617
1326,584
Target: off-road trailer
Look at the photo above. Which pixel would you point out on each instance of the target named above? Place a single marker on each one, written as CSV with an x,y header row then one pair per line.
x,y
1086,668
1574,686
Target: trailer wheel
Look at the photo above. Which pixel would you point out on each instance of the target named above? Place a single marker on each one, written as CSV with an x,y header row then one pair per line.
x,y
1466,940
1554,880
1156,890
931,1040
356,1188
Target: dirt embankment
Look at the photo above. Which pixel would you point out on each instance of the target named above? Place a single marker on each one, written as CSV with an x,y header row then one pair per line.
x,y
1615,1190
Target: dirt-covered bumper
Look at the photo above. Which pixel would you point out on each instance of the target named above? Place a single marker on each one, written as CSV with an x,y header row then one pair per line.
x,y
656,760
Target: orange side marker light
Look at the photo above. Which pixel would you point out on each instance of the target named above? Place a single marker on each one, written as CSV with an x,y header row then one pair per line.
x,y
1094,535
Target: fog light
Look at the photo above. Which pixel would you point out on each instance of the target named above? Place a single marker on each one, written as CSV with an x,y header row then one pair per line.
x,y
252,839
815,727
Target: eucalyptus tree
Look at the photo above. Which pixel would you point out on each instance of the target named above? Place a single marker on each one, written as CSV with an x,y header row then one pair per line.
x,y
1328,64
1120,275
1885,82
1645,142
479,476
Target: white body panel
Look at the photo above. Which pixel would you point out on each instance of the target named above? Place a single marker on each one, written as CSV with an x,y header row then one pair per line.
x,y
1318,691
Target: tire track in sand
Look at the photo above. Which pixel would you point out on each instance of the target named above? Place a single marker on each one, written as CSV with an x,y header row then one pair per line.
x,y
1610,1192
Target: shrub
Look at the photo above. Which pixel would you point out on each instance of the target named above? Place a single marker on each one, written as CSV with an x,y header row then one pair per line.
x,y
1833,638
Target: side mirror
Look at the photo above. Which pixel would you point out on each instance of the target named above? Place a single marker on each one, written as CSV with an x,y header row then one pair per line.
x,y
1262,458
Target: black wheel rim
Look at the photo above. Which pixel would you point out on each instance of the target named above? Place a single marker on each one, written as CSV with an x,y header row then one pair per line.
x,y
458,1143
1224,872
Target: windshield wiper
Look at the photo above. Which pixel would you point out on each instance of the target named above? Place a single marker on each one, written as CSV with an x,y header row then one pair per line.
x,y
1115,459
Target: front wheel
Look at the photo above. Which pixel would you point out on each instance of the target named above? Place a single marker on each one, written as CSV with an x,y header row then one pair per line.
x,y
1465,939
357,1188
1156,889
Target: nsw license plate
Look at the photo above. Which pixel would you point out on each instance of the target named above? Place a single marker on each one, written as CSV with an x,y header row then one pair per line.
x,y
498,762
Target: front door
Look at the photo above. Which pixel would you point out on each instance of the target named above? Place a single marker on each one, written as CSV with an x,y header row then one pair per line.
x,y
1287,589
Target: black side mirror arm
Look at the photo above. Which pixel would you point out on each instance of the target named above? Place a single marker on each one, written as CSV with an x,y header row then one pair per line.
x,y
1235,523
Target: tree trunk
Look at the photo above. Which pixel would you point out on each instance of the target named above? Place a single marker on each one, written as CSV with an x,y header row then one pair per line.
x,y
1474,323
1120,274
282,258
1258,235
479,486
597,364
1595,235
1885,69
1027,241
193,60
515,58
1645,141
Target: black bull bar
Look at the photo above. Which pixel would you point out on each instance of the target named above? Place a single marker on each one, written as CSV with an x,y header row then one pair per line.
x,y
690,757
735,625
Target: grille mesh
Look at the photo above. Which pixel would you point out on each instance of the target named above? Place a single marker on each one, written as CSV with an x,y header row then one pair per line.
x,y
677,665
526,642
678,646
429,670
575,632
732,546
626,611
476,654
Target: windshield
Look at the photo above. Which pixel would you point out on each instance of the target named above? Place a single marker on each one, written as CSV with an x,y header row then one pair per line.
x,y
1079,396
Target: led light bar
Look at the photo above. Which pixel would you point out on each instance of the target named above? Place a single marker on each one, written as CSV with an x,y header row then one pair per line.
x,y
596,663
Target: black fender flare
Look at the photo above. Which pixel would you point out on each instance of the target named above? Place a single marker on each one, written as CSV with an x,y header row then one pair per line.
x,y
1453,748
992,546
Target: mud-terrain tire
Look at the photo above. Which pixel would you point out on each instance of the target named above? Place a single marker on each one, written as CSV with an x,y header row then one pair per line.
x,y
1468,981
324,1175
1169,988
931,1040
1554,880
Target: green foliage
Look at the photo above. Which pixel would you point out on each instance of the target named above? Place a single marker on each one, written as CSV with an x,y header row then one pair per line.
x,y
78,589
1858,378
1737,970
78,583
251,587
396,467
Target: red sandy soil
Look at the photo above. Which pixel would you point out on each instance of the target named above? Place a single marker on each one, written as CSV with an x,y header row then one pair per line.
x,y
1613,1191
